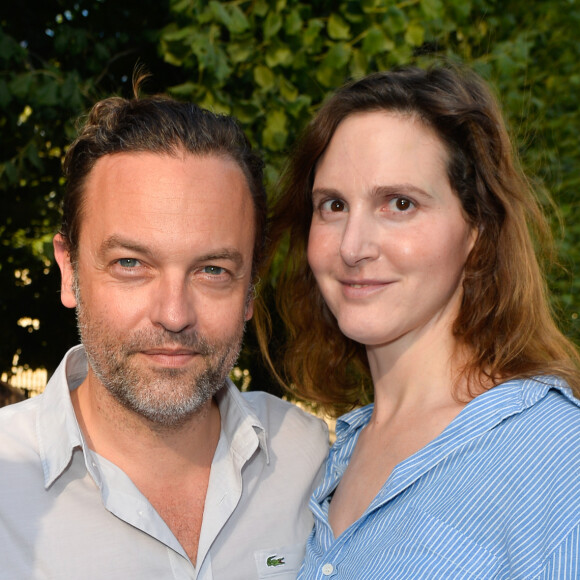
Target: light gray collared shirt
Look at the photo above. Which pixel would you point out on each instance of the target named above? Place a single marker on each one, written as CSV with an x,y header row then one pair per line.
x,y
68,513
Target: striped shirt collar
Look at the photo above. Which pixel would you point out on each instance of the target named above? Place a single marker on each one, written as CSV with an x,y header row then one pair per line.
x,y
480,415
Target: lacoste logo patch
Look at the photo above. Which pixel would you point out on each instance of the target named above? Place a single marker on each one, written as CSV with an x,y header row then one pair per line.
x,y
275,560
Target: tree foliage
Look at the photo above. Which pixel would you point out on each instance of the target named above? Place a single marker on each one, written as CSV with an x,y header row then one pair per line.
x,y
270,63
56,59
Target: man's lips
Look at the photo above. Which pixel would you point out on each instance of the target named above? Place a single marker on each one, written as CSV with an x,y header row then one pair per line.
x,y
169,351
170,357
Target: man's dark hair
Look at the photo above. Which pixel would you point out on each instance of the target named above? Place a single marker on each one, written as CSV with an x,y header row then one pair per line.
x,y
162,125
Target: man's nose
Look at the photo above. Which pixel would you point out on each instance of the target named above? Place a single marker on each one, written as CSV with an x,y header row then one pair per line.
x,y
173,303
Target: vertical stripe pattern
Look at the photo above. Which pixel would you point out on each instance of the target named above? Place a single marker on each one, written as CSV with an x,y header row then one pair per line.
x,y
496,495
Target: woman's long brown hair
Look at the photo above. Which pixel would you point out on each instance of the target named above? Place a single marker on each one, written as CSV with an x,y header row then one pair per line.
x,y
505,321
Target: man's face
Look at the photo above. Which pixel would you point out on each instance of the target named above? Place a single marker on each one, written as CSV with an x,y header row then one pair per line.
x,y
162,282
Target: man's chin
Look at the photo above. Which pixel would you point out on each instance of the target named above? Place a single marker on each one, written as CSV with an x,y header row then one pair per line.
x,y
162,398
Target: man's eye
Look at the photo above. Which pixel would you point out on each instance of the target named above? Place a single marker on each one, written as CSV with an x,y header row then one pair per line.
x,y
334,205
213,270
129,263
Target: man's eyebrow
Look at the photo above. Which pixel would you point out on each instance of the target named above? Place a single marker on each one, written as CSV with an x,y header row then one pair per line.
x,y
115,242
224,254
119,242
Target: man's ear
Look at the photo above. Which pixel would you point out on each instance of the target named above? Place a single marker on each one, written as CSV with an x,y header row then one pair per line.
x,y
62,255
249,309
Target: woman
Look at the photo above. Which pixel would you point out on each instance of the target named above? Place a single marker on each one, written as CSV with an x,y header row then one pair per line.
x,y
411,261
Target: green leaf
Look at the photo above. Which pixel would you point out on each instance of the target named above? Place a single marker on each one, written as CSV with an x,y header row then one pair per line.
x,y
275,133
338,55
395,21
462,7
32,156
358,64
219,12
239,22
246,113
415,34
338,29
172,33
20,86
279,56
312,32
9,170
261,8
374,42
432,8
240,52
48,94
288,90
221,67
296,106
272,24
264,77
293,22
230,15
188,90
71,92
9,48
371,5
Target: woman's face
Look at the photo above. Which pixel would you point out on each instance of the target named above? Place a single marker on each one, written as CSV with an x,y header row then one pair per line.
x,y
388,239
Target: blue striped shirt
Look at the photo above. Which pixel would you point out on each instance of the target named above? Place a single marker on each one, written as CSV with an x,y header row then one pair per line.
x,y
496,495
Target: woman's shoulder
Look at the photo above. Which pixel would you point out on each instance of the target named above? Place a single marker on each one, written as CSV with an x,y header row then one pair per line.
x,y
549,400
533,397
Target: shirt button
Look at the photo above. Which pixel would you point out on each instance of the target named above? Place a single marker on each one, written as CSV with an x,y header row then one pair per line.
x,y
327,569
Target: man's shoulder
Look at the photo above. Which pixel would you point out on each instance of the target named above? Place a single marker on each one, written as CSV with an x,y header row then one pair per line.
x,y
18,417
272,410
18,431
297,441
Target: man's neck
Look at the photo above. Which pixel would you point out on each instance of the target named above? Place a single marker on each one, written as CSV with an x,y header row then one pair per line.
x,y
169,466
123,436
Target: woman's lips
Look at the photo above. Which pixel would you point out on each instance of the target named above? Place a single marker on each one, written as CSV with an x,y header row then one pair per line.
x,y
362,288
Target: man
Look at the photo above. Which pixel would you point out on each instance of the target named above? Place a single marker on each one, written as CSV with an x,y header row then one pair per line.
x,y
142,460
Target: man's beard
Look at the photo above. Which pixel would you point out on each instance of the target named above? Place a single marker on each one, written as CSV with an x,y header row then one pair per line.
x,y
167,397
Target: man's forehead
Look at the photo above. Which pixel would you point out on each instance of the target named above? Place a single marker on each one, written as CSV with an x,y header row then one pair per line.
x,y
136,191
138,172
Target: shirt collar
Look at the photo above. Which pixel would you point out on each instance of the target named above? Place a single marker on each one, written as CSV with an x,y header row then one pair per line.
x,y
240,424
60,434
480,415
58,430
498,403
351,422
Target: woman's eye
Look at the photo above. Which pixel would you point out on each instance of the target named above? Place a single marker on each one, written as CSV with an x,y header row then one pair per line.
x,y
401,204
128,262
334,205
213,270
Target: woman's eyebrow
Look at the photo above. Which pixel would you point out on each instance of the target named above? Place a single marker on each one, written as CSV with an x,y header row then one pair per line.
x,y
398,189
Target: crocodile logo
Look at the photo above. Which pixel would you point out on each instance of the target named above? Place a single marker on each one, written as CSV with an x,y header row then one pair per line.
x,y
275,561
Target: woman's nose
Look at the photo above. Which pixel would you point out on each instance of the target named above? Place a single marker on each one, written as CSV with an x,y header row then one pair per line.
x,y
359,240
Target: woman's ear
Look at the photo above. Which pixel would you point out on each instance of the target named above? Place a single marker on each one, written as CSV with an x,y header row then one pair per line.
x,y
62,255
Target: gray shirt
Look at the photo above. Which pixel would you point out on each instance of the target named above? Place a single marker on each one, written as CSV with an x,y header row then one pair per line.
x,y
68,513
